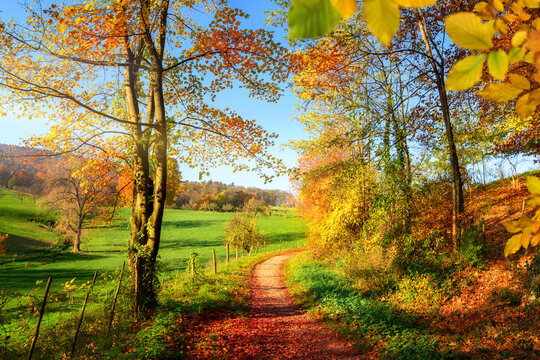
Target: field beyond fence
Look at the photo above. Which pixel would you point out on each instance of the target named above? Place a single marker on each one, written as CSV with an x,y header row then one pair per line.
x,y
24,274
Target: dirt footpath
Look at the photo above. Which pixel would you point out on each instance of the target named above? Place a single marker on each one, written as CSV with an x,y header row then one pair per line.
x,y
275,327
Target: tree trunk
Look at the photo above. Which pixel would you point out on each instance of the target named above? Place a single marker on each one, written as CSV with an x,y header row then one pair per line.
x,y
138,255
77,241
150,192
457,184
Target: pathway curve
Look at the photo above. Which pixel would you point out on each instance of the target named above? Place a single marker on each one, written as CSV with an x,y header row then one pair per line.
x,y
275,327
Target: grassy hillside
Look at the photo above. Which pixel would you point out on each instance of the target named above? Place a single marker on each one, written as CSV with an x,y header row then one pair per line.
x,y
25,223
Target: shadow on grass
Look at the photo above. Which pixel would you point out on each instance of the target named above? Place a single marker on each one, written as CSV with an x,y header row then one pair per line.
x,y
22,280
366,320
285,237
186,224
190,242
48,255
18,244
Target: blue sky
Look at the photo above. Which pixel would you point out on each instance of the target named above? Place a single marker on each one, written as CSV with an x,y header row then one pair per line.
x,y
274,117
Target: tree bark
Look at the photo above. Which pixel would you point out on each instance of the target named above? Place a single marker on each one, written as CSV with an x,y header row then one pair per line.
x,y
77,241
457,184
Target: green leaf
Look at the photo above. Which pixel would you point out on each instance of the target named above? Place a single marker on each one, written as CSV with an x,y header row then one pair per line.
x,y
468,31
311,18
346,8
500,92
498,64
512,245
465,73
382,18
533,184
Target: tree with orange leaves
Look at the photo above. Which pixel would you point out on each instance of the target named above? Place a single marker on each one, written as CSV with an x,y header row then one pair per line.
x,y
133,80
83,193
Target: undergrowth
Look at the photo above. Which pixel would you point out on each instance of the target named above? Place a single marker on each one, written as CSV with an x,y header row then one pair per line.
x,y
371,324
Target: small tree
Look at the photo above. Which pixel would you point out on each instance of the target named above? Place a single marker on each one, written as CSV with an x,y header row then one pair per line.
x,y
83,194
243,229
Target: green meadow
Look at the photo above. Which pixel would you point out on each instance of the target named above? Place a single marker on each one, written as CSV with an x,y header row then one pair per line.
x,y
32,256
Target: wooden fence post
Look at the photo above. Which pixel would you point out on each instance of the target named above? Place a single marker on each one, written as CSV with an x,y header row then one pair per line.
x,y
265,246
116,297
214,261
82,315
41,311
236,252
227,252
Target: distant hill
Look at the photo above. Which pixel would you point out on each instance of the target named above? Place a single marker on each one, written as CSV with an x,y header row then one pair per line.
x,y
19,165
23,168
217,196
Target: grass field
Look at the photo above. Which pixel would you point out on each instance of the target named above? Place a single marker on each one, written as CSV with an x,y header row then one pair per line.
x,y
31,256
184,232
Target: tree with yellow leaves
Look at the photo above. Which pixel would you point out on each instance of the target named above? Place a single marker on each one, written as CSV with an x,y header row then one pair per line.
x,y
133,79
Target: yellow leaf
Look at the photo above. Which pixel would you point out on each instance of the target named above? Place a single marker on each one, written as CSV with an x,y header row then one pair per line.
x,y
497,64
535,226
533,200
518,38
519,81
509,17
382,18
512,245
523,222
497,4
533,184
532,4
346,8
517,8
500,92
534,97
481,6
535,240
511,227
500,26
484,10
529,57
415,3
526,238
468,31
523,108
524,16
516,54
465,73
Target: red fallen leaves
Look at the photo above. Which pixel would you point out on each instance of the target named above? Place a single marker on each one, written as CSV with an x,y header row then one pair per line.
x,y
274,328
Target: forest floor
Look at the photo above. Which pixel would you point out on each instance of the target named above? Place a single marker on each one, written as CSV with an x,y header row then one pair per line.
x,y
275,327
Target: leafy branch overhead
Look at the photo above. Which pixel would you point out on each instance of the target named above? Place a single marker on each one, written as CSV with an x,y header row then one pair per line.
x,y
313,18
526,231
507,34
